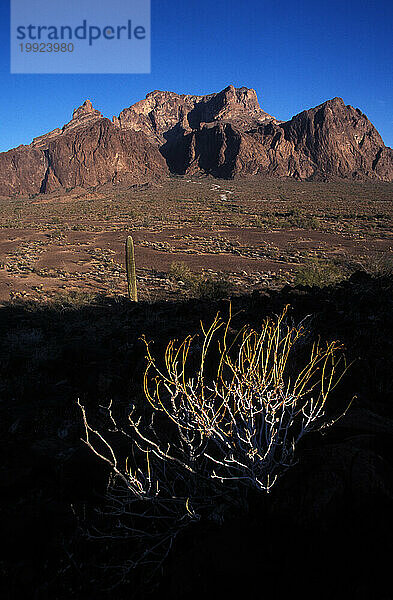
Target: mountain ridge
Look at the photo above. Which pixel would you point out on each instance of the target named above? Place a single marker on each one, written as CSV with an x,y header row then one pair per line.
x,y
225,134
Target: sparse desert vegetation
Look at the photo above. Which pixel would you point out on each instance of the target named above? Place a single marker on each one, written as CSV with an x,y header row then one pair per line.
x,y
258,234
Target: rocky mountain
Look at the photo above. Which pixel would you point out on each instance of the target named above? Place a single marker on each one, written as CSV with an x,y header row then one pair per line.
x,y
225,134
88,151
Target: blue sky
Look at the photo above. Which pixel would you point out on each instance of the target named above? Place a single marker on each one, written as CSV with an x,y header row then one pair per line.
x,y
295,54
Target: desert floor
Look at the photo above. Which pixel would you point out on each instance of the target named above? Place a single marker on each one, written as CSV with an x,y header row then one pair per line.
x,y
253,233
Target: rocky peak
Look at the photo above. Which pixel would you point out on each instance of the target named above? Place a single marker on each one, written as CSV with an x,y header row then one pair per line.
x,y
238,105
85,108
334,120
163,112
334,103
83,115
244,97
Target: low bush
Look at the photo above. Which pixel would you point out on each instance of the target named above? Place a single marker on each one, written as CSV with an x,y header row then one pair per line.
x,y
379,264
200,285
181,272
304,221
319,273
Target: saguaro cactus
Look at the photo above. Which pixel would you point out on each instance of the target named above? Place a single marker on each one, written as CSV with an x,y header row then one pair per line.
x,y
130,266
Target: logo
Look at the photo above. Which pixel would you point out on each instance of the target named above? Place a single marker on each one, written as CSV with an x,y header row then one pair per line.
x,y
79,37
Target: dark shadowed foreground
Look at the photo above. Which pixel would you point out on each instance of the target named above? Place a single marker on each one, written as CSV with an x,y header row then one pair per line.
x,y
324,530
